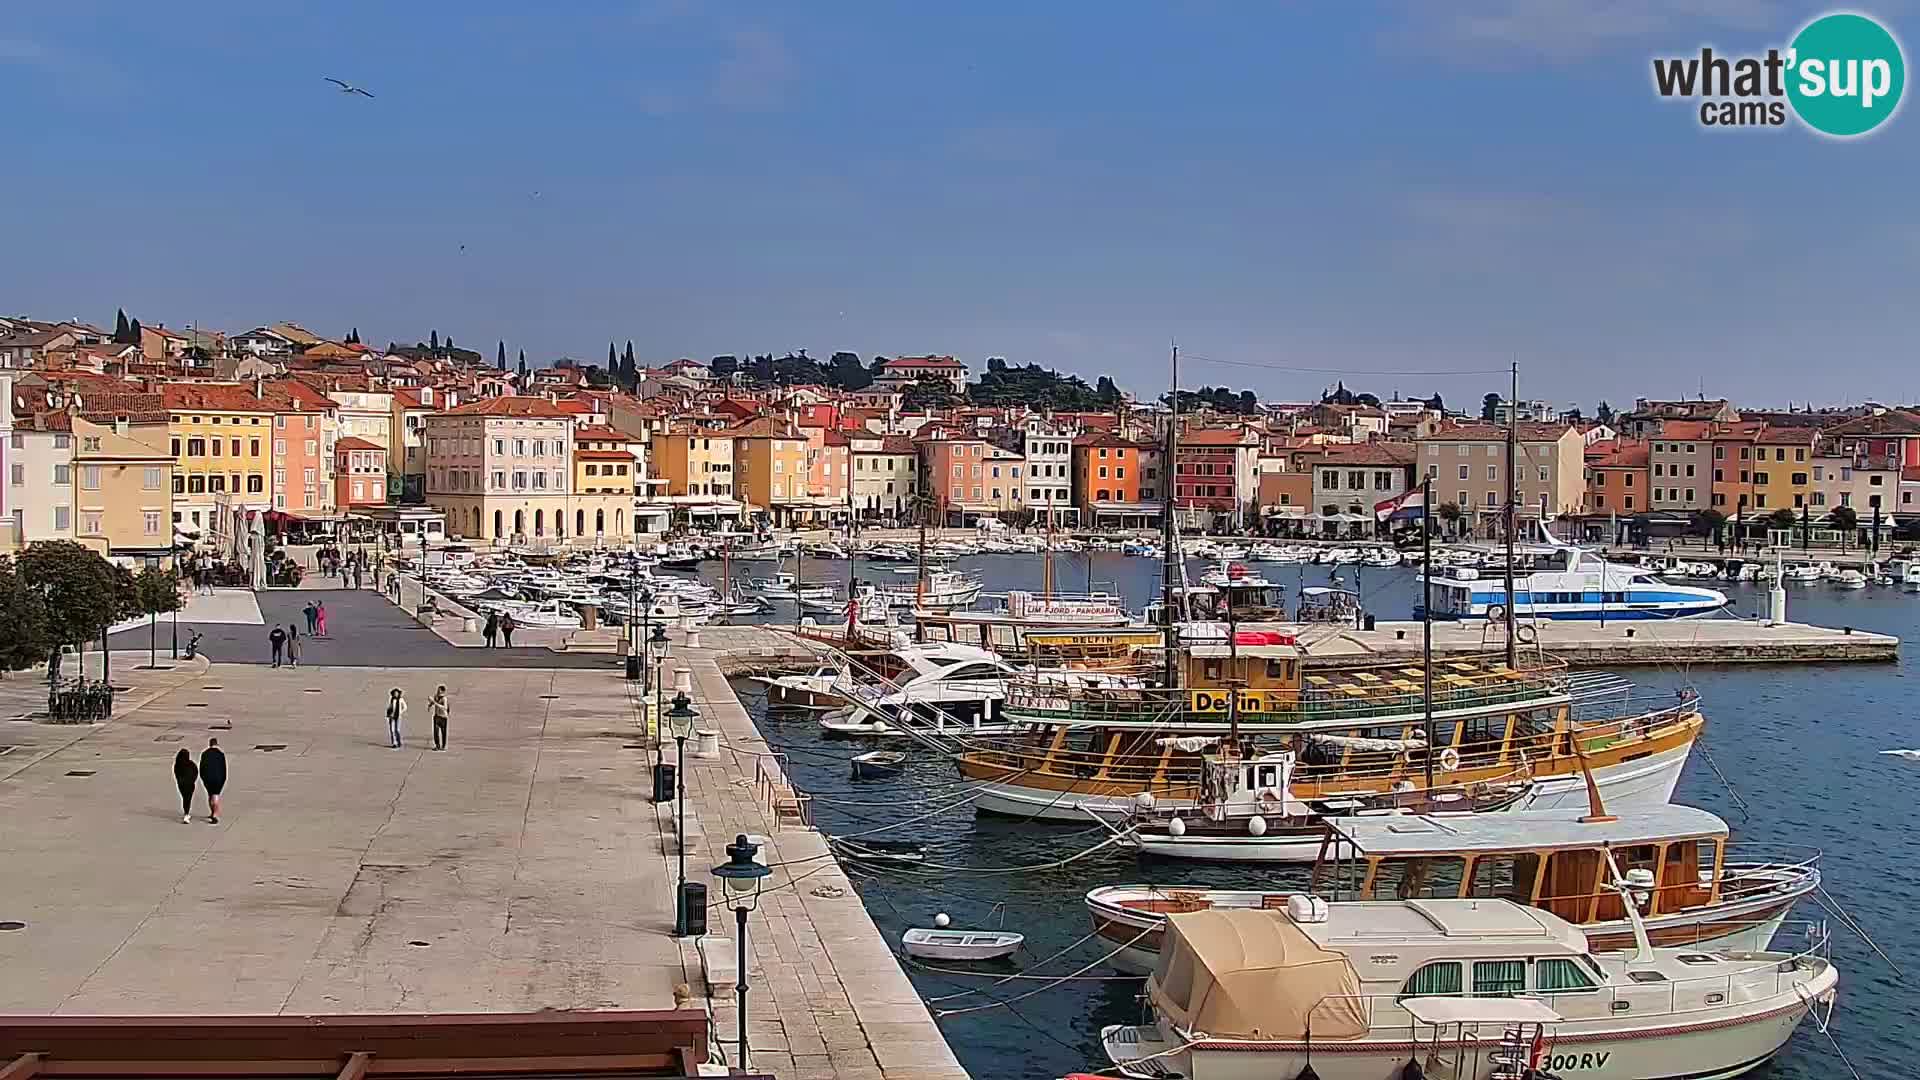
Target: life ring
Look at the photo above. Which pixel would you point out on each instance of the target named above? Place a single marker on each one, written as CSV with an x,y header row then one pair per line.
x,y
1270,800
1450,758
1525,635
1496,612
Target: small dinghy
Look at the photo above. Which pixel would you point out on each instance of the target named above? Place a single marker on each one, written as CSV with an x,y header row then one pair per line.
x,y
878,763
961,944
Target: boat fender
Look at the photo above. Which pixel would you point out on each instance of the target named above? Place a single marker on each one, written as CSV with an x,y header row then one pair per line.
x,y
1525,635
1412,1071
1307,1073
1450,758
1176,828
1256,826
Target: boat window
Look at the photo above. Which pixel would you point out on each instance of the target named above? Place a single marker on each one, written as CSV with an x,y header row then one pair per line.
x,y
975,671
1499,978
1418,878
1438,978
1505,877
1277,669
1553,975
1646,976
1212,669
1176,976
1269,776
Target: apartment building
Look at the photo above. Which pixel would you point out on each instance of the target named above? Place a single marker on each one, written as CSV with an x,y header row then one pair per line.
x,y
221,438
1680,466
1619,478
1110,484
886,473
359,473
1046,448
1468,466
1216,477
40,495
406,448
971,478
1349,480
1759,468
770,469
500,468
123,478
305,427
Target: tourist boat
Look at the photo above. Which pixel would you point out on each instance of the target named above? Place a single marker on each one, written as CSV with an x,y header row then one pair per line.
x,y
878,763
828,550
1247,811
1687,881
1355,730
1848,579
961,944
1482,989
943,589
867,606
1005,627
1575,584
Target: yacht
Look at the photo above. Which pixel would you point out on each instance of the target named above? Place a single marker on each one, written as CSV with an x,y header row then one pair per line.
x,y
1481,989
942,687
1574,584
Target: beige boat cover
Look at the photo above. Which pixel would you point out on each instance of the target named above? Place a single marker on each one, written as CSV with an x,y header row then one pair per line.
x,y
1251,974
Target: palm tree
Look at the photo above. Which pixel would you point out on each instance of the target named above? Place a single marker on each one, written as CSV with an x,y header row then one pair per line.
x,y
1450,516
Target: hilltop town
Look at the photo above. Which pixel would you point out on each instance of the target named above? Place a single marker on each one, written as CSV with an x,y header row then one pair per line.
x,y
142,438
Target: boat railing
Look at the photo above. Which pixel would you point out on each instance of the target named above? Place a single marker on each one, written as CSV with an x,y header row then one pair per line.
x,y
1750,869
1697,994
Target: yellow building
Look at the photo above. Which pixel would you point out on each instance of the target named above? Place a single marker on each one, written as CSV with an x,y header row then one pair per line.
x,y
1759,468
123,471
697,465
770,463
603,485
221,440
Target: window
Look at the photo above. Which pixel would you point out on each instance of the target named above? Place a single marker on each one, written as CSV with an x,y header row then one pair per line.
x,y
1441,978
1493,472
1491,502
1103,472
1543,474
90,478
1719,453
1872,481
1557,975
1463,472
1846,498
1627,501
153,523
62,442
196,447
63,474
19,474
179,484
1499,978
306,477
62,518
1689,494
1460,499
499,478
1463,449
1780,453
312,447
196,485
150,480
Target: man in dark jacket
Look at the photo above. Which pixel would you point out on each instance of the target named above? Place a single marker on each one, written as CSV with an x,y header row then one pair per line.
x,y
278,640
213,777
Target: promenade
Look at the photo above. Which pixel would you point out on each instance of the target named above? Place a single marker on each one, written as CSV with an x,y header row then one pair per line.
x,y
523,869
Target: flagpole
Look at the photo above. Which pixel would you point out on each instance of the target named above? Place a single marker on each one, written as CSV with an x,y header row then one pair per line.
x,y
1426,614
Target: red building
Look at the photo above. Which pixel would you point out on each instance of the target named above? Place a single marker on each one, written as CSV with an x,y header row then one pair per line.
x,y
359,473
1216,475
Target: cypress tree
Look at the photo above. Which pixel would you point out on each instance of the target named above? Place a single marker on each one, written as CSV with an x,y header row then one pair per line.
x,y
613,361
120,326
500,357
433,340
523,365
133,332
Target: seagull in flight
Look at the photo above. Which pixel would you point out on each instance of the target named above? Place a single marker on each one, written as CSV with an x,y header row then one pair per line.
x,y
347,88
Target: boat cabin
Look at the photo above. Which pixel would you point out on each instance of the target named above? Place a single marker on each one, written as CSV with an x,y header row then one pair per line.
x,y
1672,859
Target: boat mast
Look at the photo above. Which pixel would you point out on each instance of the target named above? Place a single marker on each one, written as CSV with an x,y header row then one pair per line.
x,y
920,583
1513,495
1046,575
1168,533
1426,616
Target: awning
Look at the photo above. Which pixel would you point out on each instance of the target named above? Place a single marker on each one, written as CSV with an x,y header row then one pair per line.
x,y
1117,507
1253,974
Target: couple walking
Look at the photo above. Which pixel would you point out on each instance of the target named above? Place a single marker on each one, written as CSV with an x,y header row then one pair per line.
x,y
285,643
211,772
316,614
500,625
397,711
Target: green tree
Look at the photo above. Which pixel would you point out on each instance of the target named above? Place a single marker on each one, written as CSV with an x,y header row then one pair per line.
x,y
120,326
433,340
1707,522
523,368
500,356
844,371
1107,393
1489,407
929,392
723,367
23,621
629,368
353,336
1449,513
80,590
1782,518
1436,404
133,332
155,592
1846,520
1603,413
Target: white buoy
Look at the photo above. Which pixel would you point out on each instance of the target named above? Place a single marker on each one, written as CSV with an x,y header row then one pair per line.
x,y
1257,825
1176,828
1144,800
942,920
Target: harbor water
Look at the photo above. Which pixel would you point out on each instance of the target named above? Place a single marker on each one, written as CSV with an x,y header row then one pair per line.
x,y
1798,746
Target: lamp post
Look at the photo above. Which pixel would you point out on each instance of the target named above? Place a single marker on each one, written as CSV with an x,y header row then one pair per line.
x,y
659,644
742,875
643,603
680,722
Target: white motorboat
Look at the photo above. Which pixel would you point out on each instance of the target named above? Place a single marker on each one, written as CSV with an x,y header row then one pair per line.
x,y
1905,572
1480,988
552,615
1807,574
960,944
1848,579
785,586
813,690
828,550
944,688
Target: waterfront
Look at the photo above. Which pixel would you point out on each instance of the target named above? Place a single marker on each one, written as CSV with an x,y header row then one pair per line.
x,y
1799,744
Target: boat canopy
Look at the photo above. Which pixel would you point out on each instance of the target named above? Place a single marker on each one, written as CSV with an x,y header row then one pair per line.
x,y
1480,1010
1255,975
1524,830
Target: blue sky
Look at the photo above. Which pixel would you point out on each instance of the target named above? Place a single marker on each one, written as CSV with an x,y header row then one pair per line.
x,y
1366,187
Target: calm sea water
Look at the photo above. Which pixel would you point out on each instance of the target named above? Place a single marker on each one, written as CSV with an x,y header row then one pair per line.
x,y
1800,746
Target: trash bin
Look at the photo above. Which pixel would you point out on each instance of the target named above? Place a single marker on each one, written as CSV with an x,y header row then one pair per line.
x,y
691,915
663,782
1371,622
633,667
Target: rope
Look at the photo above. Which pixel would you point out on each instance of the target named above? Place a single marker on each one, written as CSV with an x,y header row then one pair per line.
x,y
923,868
940,1014
1005,978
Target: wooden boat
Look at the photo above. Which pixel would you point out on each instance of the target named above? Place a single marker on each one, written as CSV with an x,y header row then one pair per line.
x,y
877,763
961,944
1674,859
1356,730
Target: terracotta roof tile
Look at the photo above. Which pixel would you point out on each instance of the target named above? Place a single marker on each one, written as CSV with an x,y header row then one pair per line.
x,y
538,408
355,442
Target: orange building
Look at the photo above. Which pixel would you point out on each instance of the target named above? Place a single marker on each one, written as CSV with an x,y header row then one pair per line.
x,y
359,473
1110,484
304,429
1617,478
970,478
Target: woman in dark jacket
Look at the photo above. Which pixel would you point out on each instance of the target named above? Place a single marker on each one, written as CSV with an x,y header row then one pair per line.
x,y
213,773
186,775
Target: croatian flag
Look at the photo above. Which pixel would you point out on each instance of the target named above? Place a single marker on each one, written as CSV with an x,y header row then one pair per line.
x,y
1410,504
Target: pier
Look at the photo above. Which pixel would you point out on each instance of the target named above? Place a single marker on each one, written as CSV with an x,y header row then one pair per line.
x,y
524,870
1587,643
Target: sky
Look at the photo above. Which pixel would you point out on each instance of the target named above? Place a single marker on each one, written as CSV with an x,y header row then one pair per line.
x,y
1408,196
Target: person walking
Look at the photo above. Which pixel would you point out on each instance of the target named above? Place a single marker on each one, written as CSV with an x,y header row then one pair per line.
x,y
293,645
320,618
278,640
186,776
492,629
396,709
213,773
308,612
506,629
439,704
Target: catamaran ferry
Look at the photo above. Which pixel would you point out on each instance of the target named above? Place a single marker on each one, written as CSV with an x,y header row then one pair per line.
x,y
1573,584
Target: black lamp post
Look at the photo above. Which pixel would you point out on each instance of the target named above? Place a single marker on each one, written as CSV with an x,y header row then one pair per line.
x,y
643,604
659,646
680,722
742,875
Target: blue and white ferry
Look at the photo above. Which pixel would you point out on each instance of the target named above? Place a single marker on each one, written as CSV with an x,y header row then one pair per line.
x,y
1569,583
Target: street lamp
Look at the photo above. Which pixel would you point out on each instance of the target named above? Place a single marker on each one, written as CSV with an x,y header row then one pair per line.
x,y
680,723
742,875
643,604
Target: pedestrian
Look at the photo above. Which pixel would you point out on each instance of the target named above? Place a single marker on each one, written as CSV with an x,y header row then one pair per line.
x,y
506,629
396,709
308,612
492,629
278,640
439,704
320,618
213,773
186,776
359,575
293,645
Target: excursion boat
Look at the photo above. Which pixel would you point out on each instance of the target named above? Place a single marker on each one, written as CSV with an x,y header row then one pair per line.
x,y
1575,584
1480,989
1355,731
785,586
943,589
1674,861
1248,812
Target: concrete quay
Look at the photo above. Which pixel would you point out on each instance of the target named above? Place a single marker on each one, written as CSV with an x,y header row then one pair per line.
x,y
1640,641
523,869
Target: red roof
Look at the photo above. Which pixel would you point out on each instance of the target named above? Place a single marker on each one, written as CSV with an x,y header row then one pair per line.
x,y
1372,453
922,362
1528,432
598,431
1685,429
602,455
217,397
355,442
1217,437
511,405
